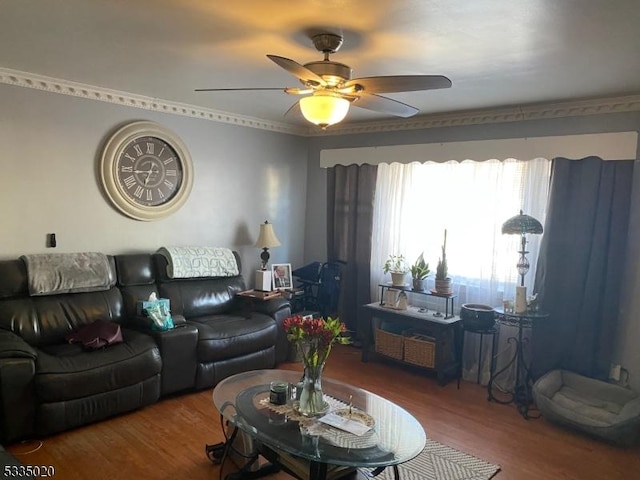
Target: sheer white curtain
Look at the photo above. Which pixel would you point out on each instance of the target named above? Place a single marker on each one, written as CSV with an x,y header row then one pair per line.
x,y
416,202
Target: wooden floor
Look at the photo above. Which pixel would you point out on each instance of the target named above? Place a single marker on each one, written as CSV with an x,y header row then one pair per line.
x,y
167,440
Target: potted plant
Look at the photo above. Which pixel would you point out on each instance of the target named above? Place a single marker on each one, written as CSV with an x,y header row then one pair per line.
x,y
419,271
397,266
443,282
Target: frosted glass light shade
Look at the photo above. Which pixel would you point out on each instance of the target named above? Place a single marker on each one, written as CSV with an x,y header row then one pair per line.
x,y
324,109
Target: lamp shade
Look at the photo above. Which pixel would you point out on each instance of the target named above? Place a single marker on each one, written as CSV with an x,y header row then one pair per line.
x,y
324,109
521,224
267,237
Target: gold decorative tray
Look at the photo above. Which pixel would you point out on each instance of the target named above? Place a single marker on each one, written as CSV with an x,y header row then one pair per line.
x,y
356,416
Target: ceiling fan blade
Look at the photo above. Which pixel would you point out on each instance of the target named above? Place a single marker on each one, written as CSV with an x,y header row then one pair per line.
x,y
294,110
378,103
297,70
282,89
400,83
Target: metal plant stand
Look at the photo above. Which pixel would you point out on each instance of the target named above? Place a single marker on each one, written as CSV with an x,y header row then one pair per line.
x,y
521,395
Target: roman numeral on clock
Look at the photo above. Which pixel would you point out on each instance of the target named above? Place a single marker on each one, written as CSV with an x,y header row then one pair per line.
x,y
130,181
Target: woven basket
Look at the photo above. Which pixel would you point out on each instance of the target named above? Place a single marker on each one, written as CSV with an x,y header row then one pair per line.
x,y
389,344
420,350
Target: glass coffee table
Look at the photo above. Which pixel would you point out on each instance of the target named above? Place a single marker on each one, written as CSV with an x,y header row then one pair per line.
x,y
307,448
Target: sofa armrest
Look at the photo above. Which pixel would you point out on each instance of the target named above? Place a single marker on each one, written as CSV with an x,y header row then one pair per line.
x,y
178,350
279,309
13,346
17,396
273,306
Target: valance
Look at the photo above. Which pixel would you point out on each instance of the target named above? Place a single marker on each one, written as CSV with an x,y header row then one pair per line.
x,y
608,146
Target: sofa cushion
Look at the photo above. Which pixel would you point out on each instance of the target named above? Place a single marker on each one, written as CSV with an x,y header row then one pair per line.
x,y
68,371
227,335
204,297
47,320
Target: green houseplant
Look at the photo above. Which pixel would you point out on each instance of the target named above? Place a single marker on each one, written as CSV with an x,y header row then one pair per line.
x,y
397,266
419,271
443,282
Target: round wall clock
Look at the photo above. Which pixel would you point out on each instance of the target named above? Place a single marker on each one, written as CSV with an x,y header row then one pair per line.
x,y
146,171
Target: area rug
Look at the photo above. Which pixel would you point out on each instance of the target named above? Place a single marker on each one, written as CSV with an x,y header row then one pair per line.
x,y
439,462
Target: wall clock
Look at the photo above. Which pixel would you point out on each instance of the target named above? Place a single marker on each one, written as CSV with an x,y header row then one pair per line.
x,y
146,171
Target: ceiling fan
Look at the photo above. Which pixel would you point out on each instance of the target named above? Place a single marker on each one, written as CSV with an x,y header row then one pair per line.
x,y
330,90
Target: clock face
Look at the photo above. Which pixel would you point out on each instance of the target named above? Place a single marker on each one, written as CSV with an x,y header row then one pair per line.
x,y
149,171
146,171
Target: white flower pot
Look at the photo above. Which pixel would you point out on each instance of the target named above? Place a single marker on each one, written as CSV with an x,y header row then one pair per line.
x,y
397,279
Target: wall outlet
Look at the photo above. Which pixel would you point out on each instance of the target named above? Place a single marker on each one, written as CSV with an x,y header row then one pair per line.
x,y
614,372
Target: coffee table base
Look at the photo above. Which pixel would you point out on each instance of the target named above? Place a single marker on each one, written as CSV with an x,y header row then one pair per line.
x,y
297,467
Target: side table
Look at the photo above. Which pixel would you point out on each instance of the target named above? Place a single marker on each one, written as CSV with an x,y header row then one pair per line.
x,y
521,395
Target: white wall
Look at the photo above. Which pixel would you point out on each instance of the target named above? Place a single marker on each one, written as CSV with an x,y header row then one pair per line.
x,y
627,351
49,161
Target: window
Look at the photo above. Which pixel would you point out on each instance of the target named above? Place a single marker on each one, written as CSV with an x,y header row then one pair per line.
x,y
416,202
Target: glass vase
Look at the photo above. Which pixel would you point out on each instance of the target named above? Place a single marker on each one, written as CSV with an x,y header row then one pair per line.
x,y
311,399
312,402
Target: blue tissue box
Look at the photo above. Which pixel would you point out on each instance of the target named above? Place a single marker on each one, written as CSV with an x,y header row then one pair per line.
x,y
142,304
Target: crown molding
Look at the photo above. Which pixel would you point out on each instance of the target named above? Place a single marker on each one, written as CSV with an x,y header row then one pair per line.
x,y
596,106
91,92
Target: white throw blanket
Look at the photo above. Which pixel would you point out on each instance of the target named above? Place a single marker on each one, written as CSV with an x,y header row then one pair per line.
x,y
55,273
193,262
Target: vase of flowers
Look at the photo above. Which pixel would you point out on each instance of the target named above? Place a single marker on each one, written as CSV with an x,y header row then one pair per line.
x,y
314,337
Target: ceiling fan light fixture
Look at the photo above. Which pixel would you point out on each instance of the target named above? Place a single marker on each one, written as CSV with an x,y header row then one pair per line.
x,y
324,109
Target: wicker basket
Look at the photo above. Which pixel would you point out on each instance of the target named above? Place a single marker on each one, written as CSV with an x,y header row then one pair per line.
x,y
389,344
420,350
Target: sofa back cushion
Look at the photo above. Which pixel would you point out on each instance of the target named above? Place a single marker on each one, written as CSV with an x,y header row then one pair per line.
x,y
195,297
46,320
136,279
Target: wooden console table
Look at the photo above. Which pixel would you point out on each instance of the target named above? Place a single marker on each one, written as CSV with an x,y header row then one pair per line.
x,y
447,333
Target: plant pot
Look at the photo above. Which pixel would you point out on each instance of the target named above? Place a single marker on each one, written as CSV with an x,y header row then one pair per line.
x,y
397,279
477,317
418,284
444,286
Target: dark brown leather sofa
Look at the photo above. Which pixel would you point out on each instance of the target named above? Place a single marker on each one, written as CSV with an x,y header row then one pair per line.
x,y
48,385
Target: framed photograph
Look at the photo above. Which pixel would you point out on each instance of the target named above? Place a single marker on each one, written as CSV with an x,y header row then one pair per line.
x,y
282,279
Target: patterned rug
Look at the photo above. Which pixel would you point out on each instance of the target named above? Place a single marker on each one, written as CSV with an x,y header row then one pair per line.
x,y
439,462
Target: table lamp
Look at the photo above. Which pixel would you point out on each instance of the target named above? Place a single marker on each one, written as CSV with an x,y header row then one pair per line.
x,y
521,225
266,239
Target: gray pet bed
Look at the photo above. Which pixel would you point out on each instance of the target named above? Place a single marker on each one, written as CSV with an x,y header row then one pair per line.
x,y
598,408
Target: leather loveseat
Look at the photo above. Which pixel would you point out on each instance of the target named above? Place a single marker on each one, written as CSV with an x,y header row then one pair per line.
x,y
48,385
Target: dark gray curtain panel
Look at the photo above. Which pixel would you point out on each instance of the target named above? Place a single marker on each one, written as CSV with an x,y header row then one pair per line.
x,y
350,193
580,266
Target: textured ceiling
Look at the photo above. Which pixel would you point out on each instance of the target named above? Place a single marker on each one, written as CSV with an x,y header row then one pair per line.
x,y
497,53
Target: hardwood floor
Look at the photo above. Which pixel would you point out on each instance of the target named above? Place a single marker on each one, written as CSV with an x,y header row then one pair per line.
x,y
167,440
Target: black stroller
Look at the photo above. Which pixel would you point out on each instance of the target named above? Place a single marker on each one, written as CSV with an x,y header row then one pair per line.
x,y
320,284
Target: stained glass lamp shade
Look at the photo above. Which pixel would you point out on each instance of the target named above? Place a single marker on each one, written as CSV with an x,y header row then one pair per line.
x,y
521,225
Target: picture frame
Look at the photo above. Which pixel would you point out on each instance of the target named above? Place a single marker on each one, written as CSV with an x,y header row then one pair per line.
x,y
282,277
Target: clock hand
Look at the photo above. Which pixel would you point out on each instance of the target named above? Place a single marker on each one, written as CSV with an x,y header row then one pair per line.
x,y
149,173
